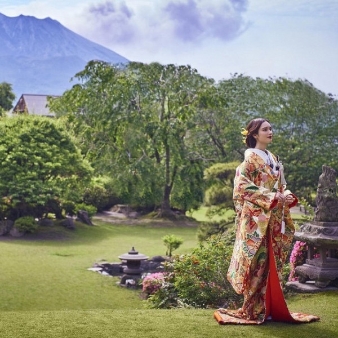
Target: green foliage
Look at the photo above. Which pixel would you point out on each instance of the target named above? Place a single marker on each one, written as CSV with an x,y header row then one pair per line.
x,y
172,243
166,296
26,224
69,208
199,279
219,178
304,122
309,211
91,210
99,193
154,129
39,164
207,229
134,123
6,97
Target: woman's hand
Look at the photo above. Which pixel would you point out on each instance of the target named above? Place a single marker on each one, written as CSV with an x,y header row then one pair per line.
x,y
282,199
279,197
289,199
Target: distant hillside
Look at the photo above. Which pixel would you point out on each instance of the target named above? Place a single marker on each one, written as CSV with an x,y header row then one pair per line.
x,y
39,56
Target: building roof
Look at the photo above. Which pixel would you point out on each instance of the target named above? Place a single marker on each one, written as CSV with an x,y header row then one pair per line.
x,y
33,104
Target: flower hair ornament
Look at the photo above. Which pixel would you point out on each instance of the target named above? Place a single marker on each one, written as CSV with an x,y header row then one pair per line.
x,y
244,132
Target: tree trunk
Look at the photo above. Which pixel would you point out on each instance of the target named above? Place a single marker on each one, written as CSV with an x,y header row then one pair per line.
x,y
166,211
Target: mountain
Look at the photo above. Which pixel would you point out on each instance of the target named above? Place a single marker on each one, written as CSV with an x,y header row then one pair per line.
x,y
40,56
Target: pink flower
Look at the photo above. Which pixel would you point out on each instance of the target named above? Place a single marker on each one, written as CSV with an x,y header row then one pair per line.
x,y
152,283
297,257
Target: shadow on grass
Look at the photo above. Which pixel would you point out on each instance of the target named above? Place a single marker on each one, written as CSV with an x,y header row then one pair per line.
x,y
87,234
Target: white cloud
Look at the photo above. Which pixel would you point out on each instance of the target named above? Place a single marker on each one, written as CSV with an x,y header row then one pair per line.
x,y
218,37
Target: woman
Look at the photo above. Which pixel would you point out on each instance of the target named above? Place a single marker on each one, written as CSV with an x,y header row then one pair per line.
x,y
264,233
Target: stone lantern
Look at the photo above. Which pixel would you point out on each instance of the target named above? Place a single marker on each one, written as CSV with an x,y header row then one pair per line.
x,y
132,272
322,234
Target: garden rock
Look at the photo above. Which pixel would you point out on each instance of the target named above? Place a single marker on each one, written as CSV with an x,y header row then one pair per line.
x,y
68,223
14,232
116,268
83,217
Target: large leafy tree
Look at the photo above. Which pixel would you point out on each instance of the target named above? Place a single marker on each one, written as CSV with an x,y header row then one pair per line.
x,y
6,97
305,122
135,122
304,119
39,166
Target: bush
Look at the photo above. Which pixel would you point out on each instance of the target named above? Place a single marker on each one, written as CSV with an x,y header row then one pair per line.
x,y
152,283
172,243
69,208
199,279
297,257
100,195
26,224
91,210
166,296
208,229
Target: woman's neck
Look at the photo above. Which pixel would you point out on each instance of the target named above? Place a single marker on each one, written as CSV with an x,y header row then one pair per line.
x,y
261,148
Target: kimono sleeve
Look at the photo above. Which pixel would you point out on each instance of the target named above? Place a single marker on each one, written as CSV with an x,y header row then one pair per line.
x,y
248,187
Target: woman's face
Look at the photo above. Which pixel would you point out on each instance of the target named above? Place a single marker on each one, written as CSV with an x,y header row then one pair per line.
x,y
264,136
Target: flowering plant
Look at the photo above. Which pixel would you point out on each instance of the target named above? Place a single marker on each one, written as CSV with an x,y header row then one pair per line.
x,y
297,257
152,283
244,132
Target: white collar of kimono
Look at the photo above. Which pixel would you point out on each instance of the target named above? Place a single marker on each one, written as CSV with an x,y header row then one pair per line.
x,y
266,156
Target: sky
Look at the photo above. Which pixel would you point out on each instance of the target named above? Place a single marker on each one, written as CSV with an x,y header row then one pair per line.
x,y
295,39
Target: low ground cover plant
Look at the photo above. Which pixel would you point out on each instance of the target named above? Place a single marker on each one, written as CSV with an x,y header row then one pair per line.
x,y
26,224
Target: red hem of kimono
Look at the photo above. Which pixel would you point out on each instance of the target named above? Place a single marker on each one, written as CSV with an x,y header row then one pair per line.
x,y
275,304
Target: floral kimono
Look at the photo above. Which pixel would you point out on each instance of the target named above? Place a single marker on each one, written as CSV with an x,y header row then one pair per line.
x,y
264,236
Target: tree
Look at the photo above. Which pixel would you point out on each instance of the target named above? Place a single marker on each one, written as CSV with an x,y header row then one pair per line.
x,y
219,178
39,166
135,122
155,128
304,120
6,97
172,243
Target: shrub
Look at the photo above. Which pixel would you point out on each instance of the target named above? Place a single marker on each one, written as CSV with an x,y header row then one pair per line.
x,y
152,283
297,257
69,207
166,296
208,229
172,243
91,210
198,279
26,224
100,196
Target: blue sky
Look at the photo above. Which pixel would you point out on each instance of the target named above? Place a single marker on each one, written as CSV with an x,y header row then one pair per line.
x,y
260,38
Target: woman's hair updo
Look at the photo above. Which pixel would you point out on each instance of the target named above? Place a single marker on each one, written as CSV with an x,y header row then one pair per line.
x,y
252,129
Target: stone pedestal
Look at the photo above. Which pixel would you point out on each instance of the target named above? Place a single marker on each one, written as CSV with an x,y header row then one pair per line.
x,y
323,236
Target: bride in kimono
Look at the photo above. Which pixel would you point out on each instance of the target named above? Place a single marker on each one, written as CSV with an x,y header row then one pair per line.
x,y
264,234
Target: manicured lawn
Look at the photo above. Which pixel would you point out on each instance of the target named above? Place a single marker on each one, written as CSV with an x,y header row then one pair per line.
x,y
52,274
201,215
47,291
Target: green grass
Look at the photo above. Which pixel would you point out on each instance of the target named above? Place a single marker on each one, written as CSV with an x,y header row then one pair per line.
x,y
201,215
53,275
47,291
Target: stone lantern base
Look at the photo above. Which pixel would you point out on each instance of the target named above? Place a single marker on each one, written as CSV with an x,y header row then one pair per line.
x,y
322,273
